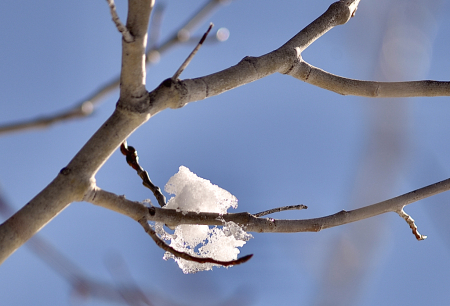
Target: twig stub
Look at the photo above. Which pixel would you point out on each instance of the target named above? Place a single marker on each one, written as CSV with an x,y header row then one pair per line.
x,y
191,56
133,160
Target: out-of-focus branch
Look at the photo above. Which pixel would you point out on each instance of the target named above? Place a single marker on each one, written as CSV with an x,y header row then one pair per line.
x,y
81,110
86,106
82,285
183,33
251,223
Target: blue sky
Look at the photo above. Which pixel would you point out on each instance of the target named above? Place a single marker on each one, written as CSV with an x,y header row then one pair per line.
x,y
277,141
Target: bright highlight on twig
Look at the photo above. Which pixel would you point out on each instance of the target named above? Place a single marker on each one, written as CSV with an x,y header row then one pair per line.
x,y
411,224
191,56
122,29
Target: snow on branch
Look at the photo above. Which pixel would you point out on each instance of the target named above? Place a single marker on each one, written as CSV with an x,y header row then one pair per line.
x,y
251,223
180,255
198,204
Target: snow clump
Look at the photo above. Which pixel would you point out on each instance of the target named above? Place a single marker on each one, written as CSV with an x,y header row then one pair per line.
x,y
196,194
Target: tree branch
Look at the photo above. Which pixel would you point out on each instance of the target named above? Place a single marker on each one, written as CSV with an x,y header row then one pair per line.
x,y
132,76
251,223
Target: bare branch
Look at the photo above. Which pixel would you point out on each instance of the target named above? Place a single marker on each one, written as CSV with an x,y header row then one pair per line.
x,y
344,86
140,213
80,282
250,69
287,60
186,256
132,76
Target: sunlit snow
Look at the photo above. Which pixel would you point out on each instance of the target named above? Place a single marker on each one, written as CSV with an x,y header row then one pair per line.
x,y
193,193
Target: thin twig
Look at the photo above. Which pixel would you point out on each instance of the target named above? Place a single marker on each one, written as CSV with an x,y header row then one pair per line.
x,y
191,56
120,26
278,209
159,242
133,160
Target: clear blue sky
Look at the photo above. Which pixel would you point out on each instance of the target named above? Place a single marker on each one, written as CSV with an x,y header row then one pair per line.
x,y
274,142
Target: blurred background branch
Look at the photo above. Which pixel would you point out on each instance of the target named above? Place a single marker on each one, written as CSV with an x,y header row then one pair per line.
x,y
87,106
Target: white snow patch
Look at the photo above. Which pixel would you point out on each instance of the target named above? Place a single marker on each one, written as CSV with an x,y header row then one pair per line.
x,y
196,194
